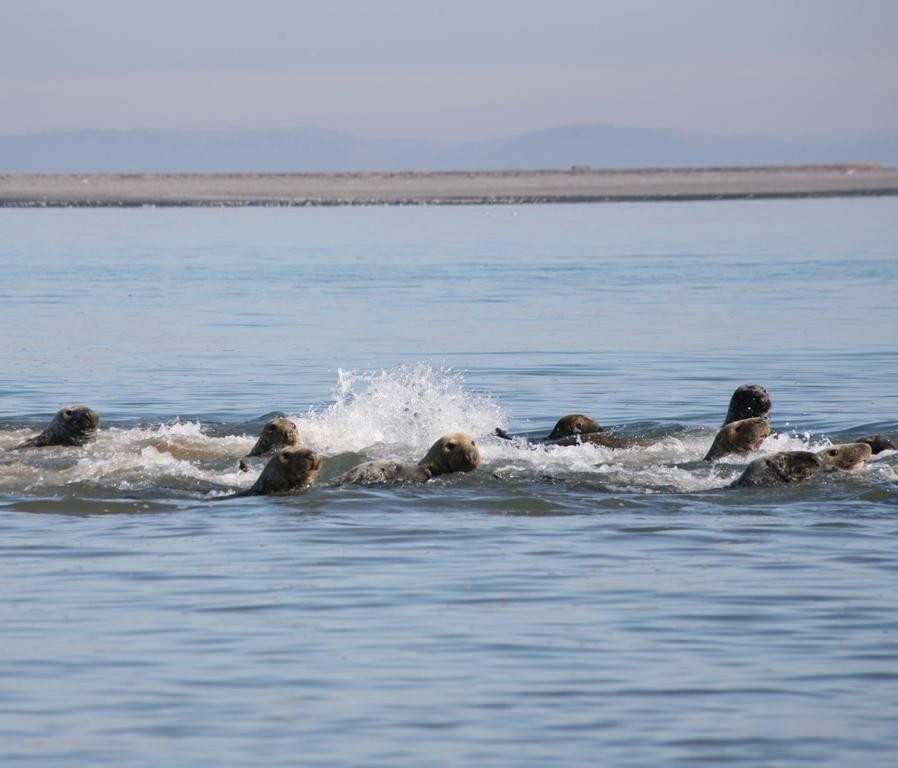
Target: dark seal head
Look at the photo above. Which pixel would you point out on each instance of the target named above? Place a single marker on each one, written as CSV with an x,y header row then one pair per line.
x,y
574,424
290,470
277,433
846,455
456,452
743,436
779,469
72,425
747,401
878,443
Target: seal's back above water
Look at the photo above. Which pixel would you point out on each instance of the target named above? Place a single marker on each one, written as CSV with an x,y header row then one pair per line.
x,y
455,452
779,469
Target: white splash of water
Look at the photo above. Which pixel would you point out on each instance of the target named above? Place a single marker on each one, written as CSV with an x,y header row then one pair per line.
x,y
399,412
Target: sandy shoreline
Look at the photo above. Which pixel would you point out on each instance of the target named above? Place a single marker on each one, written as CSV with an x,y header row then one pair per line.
x,y
444,188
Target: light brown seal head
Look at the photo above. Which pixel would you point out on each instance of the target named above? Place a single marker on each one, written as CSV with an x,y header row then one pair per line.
x,y
779,469
277,433
455,452
290,470
743,436
72,425
574,424
878,443
846,455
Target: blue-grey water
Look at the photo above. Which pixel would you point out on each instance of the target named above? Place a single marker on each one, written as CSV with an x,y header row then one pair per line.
x,y
559,606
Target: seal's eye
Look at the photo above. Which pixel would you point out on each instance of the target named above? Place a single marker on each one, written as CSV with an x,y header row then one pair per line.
x,y
450,446
67,414
832,452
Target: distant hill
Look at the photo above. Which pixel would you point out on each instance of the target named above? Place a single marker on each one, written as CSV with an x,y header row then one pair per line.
x,y
315,149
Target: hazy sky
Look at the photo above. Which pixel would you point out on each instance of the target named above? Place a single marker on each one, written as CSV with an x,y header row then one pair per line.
x,y
792,69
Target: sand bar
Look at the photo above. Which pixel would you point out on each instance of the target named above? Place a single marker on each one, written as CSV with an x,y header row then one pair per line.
x,y
446,188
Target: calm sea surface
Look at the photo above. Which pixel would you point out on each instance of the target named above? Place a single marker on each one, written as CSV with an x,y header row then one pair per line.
x,y
560,606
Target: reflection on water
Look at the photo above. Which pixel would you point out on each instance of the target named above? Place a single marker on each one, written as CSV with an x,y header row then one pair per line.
x,y
560,605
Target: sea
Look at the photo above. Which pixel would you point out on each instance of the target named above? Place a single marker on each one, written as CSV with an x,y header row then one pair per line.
x,y
574,606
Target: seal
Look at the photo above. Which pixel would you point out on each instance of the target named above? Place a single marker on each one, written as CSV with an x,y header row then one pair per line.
x,y
846,455
277,433
455,452
574,424
742,436
779,469
566,426
290,470
575,428
878,443
747,401
73,425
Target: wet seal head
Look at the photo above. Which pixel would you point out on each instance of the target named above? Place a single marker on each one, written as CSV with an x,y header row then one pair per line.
x,y
455,452
73,425
575,428
878,443
574,424
747,401
742,436
290,470
779,469
846,455
277,433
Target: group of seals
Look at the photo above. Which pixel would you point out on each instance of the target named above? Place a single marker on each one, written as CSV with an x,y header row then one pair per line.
x,y
745,427
292,469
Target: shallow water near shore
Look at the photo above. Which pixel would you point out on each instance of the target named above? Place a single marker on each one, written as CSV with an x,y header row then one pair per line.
x,y
561,605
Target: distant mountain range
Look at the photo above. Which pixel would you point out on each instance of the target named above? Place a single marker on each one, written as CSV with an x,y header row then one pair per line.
x,y
315,149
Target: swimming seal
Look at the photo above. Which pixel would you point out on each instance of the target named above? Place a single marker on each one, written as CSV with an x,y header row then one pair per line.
x,y
575,428
747,401
573,424
455,452
277,433
779,469
566,426
878,443
73,425
846,455
742,436
290,470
